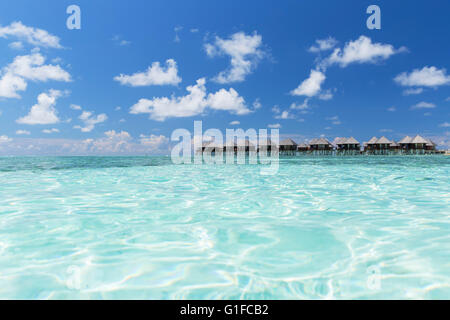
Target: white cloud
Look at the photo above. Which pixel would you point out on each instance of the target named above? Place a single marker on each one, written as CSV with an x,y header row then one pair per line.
x,y
194,30
448,99
28,67
334,120
53,130
409,92
284,115
310,86
423,105
392,109
227,100
361,50
326,95
274,126
445,125
90,120
426,77
386,130
33,36
154,142
276,109
5,139
194,103
234,123
119,41
75,107
304,107
113,142
44,111
257,104
23,132
155,75
245,52
16,45
323,45
177,36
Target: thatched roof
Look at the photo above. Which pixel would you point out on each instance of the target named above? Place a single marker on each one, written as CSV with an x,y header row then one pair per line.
x,y
430,143
323,141
383,140
313,141
419,139
373,140
239,143
288,142
394,144
302,145
351,140
339,140
405,140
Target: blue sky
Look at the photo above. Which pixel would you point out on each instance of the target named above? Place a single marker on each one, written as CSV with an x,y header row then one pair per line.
x,y
310,68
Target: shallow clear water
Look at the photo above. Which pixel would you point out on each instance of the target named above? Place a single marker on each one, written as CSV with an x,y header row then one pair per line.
x,y
141,227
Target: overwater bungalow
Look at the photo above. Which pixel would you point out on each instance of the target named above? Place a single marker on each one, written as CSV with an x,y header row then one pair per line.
x,y
382,145
417,145
394,147
430,146
302,147
348,146
242,146
266,145
320,146
288,147
405,143
370,145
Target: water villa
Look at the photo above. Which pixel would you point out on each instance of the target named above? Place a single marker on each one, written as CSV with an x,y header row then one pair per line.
x,y
266,146
321,146
302,148
235,147
349,146
288,147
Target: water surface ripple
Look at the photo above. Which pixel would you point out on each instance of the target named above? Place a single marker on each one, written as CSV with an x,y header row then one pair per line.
x,y
141,227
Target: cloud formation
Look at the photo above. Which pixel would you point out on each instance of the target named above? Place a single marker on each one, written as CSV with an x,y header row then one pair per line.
x,y
323,45
423,105
362,50
154,75
194,103
34,36
425,77
28,67
90,120
310,86
43,112
245,52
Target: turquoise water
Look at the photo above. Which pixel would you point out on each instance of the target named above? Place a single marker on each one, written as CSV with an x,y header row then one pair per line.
x,y
141,227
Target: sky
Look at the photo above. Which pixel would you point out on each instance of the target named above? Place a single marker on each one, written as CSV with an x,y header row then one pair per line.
x,y
137,70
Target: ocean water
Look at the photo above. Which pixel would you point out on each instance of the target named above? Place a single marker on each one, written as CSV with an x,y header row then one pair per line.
x,y
144,228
